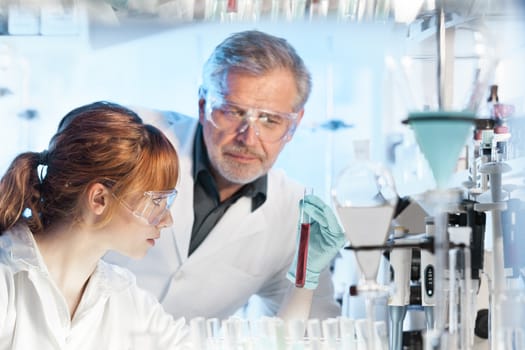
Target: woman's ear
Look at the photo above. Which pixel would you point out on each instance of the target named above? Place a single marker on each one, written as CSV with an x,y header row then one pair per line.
x,y
97,198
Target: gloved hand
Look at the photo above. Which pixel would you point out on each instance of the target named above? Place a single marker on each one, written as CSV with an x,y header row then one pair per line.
x,y
326,238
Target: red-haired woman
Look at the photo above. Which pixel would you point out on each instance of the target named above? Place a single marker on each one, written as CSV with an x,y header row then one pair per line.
x,y
105,183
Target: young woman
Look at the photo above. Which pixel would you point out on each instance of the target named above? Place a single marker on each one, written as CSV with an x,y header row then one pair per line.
x,y
106,183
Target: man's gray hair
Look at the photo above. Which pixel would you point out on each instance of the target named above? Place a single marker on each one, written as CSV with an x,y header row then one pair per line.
x,y
255,53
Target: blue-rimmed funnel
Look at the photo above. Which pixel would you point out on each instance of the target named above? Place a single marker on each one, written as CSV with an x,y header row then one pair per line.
x,y
440,136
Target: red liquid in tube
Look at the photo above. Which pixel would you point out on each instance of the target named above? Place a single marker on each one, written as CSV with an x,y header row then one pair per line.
x,y
231,6
300,274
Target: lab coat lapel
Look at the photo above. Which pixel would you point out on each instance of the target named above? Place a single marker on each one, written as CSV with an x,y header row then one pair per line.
x,y
182,213
182,209
238,222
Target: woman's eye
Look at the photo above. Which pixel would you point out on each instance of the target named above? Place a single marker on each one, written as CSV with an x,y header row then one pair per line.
x,y
156,201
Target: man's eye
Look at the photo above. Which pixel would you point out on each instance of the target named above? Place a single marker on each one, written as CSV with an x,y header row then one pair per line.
x,y
233,112
270,118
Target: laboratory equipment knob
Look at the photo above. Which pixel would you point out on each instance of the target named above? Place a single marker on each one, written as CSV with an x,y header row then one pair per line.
x,y
415,270
412,340
493,96
353,290
481,328
415,294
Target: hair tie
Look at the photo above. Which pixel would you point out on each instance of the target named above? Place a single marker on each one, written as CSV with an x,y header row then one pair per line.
x,y
43,158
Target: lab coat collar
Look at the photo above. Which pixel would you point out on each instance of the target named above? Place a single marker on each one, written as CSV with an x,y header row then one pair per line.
x,y
23,255
21,249
239,221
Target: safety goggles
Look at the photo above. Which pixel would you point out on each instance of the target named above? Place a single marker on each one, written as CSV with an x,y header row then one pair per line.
x,y
233,118
153,207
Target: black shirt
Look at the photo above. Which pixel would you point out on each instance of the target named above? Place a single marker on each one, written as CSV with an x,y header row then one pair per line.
x,y
207,207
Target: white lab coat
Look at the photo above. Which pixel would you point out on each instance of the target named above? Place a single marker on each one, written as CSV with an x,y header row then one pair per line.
x,y
247,253
113,313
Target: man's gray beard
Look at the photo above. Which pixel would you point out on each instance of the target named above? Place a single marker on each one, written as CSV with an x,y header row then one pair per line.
x,y
234,178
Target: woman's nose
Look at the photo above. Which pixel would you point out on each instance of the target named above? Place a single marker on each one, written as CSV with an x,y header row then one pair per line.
x,y
166,221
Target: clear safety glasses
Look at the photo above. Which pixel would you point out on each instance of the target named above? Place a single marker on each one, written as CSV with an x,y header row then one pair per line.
x,y
233,118
153,207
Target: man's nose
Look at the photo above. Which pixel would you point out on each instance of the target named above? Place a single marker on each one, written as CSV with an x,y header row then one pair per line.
x,y
248,132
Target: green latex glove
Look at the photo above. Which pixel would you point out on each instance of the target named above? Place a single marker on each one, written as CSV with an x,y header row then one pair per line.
x,y
326,239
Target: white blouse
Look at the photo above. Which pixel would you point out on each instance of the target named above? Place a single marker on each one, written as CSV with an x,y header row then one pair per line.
x,y
112,314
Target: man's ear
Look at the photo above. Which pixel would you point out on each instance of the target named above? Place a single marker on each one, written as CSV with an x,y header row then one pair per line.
x,y
97,198
202,110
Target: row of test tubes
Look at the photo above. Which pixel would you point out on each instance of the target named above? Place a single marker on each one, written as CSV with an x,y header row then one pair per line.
x,y
253,10
272,333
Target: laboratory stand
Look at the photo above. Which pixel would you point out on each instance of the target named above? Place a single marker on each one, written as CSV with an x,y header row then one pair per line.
x,y
451,256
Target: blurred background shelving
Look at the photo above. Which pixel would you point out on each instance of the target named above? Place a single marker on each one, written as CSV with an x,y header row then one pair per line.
x,y
150,53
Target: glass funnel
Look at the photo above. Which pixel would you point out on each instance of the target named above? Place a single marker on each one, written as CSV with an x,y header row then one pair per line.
x,y
441,77
442,158
441,136
365,198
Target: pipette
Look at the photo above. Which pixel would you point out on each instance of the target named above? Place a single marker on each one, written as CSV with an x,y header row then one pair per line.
x,y
304,237
461,326
401,262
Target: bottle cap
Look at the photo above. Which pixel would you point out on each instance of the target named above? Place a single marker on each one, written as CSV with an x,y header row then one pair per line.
x,y
484,123
501,129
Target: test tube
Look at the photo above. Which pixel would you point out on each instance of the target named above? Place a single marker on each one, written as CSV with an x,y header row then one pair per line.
x,y
313,330
235,332
347,331
510,318
273,329
296,334
231,6
362,334
381,334
330,333
213,340
304,237
198,332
